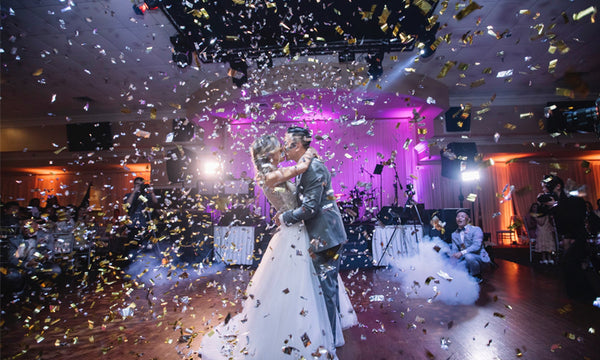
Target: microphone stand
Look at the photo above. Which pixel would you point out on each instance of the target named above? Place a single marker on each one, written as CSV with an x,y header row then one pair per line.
x,y
396,185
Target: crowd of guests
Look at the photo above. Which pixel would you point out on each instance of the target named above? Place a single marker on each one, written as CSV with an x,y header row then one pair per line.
x,y
40,243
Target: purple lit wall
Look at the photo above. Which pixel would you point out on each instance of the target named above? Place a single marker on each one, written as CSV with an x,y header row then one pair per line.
x,y
351,144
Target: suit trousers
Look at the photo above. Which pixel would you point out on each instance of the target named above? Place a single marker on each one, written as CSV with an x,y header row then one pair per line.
x,y
473,262
327,265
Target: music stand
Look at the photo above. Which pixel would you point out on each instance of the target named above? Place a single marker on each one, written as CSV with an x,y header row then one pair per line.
x,y
377,171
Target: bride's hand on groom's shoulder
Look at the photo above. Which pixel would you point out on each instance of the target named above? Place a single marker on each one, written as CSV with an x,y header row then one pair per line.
x,y
260,179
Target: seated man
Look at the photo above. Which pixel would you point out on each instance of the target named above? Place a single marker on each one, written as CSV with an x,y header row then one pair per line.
x,y
467,245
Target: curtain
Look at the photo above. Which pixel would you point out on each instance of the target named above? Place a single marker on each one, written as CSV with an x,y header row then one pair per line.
x,y
109,186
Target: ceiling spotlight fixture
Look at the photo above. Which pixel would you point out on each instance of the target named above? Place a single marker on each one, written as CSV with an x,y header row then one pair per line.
x,y
146,5
429,42
573,117
182,51
375,61
238,70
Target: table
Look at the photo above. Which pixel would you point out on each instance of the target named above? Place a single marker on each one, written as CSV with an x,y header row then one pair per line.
x,y
234,245
403,242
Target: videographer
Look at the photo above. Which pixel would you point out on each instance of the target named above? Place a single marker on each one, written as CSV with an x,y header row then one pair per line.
x,y
139,206
569,217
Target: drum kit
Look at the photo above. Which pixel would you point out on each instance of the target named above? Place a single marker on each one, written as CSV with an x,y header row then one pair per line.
x,y
359,205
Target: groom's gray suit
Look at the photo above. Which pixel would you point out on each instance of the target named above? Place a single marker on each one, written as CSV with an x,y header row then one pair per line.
x,y
321,216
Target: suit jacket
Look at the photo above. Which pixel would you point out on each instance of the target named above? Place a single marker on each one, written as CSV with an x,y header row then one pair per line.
x,y
473,242
318,208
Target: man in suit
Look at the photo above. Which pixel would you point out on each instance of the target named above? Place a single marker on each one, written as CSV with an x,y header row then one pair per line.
x,y
467,245
321,217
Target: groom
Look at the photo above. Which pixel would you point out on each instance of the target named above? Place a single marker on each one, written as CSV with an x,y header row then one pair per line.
x,y
321,217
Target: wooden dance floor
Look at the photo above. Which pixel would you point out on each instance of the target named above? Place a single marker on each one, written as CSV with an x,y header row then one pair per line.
x,y
522,312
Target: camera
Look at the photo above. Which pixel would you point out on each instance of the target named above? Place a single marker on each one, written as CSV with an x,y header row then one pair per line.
x,y
546,197
144,187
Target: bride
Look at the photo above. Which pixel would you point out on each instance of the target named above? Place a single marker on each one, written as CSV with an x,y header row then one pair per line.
x,y
283,315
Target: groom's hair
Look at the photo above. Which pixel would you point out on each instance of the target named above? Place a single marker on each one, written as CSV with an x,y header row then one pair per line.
x,y
300,135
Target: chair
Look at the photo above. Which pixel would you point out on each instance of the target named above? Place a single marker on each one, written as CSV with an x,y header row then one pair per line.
x,y
502,235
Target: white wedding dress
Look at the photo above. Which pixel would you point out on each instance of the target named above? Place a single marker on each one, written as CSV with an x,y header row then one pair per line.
x,y
284,315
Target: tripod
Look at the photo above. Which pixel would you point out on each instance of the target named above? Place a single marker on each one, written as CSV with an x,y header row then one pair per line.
x,y
410,203
394,216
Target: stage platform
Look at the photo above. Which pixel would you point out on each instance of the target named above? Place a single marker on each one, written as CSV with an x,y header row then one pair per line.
x,y
522,312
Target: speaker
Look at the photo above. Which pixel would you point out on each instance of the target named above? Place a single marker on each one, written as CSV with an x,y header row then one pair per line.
x,y
183,130
89,136
179,162
458,120
458,157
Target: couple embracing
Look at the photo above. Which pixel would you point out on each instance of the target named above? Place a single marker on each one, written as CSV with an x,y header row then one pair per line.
x,y
295,305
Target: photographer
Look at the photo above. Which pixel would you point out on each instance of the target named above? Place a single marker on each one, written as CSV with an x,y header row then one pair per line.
x,y
139,204
569,217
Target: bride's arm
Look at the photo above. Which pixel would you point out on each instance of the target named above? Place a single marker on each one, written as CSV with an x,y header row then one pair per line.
x,y
285,173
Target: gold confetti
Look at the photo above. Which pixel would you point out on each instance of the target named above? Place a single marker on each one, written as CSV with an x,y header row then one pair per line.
x,y
466,11
487,70
580,15
406,143
565,92
510,126
447,66
38,72
477,83
56,152
385,13
348,156
497,314
525,115
552,65
423,5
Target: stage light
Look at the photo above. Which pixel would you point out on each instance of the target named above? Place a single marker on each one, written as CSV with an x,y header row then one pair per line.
x,y
210,167
375,61
469,175
570,117
238,70
429,42
146,5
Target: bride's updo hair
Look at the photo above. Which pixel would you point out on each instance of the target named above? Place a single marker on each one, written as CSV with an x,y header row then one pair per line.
x,y
261,150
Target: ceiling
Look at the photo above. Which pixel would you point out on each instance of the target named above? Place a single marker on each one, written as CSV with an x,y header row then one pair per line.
x,y
96,60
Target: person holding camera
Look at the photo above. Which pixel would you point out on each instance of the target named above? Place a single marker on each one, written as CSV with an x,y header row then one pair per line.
x,y
139,204
569,217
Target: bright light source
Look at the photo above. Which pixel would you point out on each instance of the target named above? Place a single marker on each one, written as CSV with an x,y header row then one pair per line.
x,y
210,167
470,175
